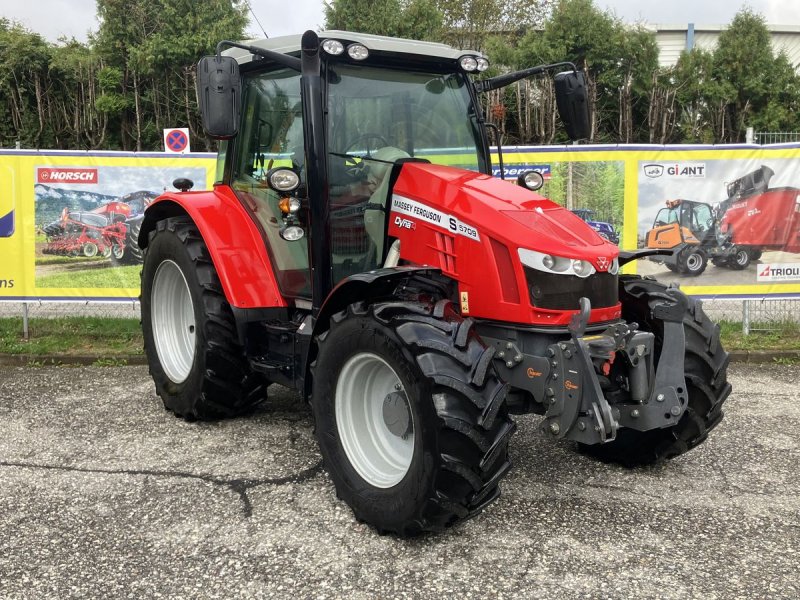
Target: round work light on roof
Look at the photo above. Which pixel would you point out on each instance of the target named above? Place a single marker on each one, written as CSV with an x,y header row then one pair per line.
x,y
282,179
357,51
468,63
334,47
483,64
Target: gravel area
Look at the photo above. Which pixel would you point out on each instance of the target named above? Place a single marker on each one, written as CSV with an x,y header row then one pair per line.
x,y
103,494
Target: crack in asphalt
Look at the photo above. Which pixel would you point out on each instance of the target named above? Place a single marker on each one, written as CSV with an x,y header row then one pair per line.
x,y
240,486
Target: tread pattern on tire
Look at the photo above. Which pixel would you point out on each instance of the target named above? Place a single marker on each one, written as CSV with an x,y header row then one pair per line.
x,y
473,426
705,367
229,387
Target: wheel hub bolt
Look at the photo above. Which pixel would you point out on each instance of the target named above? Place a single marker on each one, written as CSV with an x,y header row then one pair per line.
x,y
635,413
554,428
675,410
660,398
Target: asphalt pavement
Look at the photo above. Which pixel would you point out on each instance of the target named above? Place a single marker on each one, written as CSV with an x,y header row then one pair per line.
x,y
103,494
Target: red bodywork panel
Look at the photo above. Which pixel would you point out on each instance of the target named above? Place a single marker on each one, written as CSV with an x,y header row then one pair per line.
x,y
475,241
770,220
236,246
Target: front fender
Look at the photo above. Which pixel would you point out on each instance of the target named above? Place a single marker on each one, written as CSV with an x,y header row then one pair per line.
x,y
235,244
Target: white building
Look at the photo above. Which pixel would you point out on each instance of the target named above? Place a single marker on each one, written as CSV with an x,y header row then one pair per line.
x,y
674,39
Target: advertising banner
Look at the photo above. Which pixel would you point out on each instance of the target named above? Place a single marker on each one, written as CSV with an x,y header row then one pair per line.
x,y
729,215
69,220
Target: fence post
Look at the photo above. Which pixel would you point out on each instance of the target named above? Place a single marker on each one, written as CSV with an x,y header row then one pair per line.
x,y
25,331
745,317
749,135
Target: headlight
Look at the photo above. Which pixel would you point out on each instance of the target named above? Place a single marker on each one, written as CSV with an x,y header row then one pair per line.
x,y
614,268
555,264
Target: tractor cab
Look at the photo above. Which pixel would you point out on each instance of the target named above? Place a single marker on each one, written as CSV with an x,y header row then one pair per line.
x,y
376,115
685,221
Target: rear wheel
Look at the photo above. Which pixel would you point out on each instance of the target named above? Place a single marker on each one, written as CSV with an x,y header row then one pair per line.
x,y
410,417
741,259
199,368
705,370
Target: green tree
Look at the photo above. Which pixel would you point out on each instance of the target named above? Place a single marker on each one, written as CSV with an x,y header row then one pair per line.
x,y
414,19
619,62
154,46
744,60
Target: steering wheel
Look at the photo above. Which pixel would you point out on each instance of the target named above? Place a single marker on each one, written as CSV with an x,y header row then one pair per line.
x,y
366,138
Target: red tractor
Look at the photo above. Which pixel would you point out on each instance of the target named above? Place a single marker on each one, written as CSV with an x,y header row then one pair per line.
x,y
414,304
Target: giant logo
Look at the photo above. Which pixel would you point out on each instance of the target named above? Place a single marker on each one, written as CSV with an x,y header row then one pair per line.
x,y
690,170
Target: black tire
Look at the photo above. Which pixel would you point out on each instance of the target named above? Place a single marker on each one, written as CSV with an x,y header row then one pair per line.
x,y
740,260
705,368
673,268
457,405
719,262
693,262
133,255
220,382
755,253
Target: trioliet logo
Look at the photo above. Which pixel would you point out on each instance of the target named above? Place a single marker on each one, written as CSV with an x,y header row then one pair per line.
x,y
778,272
66,175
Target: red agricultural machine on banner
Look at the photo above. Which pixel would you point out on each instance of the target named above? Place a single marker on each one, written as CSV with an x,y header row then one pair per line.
x,y
110,231
753,218
415,305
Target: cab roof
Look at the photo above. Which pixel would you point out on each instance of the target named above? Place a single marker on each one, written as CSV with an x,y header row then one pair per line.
x,y
290,44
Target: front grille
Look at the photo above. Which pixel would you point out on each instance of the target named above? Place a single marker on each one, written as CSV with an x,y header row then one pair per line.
x,y
562,292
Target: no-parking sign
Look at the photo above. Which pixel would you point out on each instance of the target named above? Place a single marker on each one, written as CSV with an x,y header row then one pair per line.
x,y
176,141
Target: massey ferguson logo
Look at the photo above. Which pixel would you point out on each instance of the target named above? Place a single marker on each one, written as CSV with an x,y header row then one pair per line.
x,y
778,272
54,175
405,223
602,263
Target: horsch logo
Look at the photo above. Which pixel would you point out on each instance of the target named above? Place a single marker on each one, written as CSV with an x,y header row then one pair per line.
x,y
689,170
71,175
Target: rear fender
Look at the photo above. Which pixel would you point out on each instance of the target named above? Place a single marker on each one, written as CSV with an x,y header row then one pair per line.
x,y
235,244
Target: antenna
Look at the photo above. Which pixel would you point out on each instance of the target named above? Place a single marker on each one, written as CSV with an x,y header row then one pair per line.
x,y
256,18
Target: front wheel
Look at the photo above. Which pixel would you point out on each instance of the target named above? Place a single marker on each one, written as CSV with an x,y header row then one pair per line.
x,y
705,369
198,366
410,417
693,262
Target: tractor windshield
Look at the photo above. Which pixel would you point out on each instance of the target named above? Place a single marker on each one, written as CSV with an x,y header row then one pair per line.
x,y
424,115
376,116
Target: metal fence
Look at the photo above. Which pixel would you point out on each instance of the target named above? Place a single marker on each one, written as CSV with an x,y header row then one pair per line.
x,y
776,137
755,315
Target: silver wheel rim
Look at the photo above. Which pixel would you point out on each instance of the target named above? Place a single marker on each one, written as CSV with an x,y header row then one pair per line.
x,y
117,250
172,315
741,257
693,262
90,250
380,457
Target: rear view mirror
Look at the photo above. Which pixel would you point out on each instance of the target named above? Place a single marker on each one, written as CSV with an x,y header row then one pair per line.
x,y
572,103
219,89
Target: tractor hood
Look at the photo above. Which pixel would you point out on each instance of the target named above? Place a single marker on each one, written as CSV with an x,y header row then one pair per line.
x,y
501,210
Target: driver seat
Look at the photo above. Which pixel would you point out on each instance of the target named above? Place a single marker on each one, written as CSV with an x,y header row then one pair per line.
x,y
375,214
